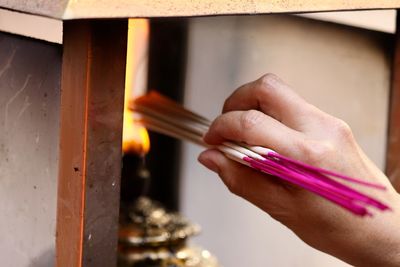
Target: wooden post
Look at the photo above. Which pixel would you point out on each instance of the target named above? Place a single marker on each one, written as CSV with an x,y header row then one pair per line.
x,y
92,92
393,146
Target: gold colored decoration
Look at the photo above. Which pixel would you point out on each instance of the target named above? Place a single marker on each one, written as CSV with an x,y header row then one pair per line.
x,y
152,237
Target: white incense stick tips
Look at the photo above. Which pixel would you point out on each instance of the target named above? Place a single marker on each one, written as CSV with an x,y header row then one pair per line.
x,y
243,150
259,149
233,154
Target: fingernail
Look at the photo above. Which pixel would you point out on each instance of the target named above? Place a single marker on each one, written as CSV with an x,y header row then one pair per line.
x,y
205,159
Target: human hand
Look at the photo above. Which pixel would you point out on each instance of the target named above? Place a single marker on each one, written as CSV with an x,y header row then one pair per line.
x,y
268,113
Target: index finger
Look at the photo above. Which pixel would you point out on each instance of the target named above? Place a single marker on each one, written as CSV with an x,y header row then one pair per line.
x,y
254,128
272,96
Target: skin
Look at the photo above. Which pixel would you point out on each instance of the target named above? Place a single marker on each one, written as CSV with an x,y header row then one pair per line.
x,y
267,112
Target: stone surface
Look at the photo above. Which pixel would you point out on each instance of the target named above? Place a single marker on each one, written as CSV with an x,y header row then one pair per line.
x,y
75,9
29,126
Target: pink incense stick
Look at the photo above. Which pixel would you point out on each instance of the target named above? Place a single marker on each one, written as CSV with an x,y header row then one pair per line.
x,y
321,170
329,193
353,193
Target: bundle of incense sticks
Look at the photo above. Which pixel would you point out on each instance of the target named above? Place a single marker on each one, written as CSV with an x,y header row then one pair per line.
x,y
165,116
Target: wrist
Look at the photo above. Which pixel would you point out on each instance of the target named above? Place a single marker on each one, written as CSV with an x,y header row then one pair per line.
x,y
382,237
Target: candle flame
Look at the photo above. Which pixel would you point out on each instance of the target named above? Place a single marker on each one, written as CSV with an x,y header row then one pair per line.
x,y
135,138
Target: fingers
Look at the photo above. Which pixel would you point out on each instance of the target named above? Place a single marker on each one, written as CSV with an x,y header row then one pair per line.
x,y
254,128
260,189
272,96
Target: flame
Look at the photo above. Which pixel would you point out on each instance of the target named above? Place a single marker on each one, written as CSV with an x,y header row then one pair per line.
x,y
135,137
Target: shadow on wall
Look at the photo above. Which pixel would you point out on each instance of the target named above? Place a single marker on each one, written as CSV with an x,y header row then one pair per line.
x,y
45,259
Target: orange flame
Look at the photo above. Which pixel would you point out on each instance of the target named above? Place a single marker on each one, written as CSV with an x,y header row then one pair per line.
x,y
135,137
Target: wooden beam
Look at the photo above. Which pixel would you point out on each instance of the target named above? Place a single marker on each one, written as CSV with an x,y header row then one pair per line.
x,y
92,84
393,146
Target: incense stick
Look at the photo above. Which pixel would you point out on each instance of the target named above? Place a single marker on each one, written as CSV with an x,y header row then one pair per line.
x,y
167,117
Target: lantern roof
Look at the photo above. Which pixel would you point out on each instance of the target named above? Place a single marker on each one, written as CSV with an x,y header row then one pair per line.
x,y
85,9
